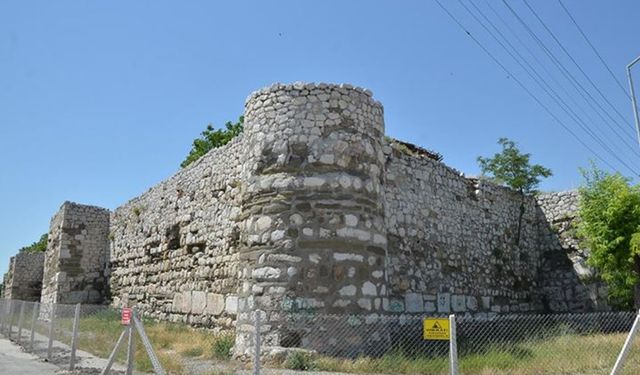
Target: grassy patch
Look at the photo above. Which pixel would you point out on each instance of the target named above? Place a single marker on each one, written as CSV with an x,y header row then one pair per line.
x,y
299,361
172,341
561,351
566,354
222,346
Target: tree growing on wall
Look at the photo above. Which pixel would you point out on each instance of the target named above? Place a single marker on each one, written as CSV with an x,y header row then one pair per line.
x,y
513,168
213,138
609,226
35,247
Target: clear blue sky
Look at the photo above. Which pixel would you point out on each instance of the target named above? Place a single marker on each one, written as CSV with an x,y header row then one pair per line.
x,y
101,100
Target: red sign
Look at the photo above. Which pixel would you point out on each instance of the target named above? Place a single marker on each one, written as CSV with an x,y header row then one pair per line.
x,y
127,313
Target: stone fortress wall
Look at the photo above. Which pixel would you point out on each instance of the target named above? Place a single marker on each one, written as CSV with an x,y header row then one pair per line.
x,y
75,263
312,209
568,283
23,280
174,249
454,245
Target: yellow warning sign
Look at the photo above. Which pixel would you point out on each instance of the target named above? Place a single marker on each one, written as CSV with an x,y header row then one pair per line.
x,y
435,329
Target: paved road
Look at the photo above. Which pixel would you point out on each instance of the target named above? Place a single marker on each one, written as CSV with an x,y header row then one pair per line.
x,y
14,361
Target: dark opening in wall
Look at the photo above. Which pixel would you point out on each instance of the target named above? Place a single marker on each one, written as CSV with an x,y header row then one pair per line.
x,y
173,237
291,340
196,247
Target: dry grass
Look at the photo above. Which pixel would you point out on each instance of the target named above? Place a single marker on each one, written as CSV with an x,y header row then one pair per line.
x,y
562,354
568,354
171,341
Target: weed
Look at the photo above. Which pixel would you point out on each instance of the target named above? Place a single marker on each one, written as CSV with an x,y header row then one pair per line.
x,y
299,361
222,346
193,352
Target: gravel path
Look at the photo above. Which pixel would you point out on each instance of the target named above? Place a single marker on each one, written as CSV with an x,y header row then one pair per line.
x,y
15,361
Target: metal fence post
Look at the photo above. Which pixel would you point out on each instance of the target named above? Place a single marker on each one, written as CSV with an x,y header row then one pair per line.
x,y
130,350
3,309
112,356
52,319
10,317
157,366
74,338
20,321
453,346
7,316
626,347
256,354
34,316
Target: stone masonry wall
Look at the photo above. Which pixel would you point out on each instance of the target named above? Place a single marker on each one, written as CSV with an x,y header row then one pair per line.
x,y
174,249
23,281
75,266
568,283
453,245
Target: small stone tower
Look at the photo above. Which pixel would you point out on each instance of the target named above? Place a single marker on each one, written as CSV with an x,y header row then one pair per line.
x,y
313,234
76,257
23,281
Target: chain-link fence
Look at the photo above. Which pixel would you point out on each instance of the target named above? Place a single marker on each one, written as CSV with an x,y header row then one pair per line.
x,y
47,330
315,343
507,344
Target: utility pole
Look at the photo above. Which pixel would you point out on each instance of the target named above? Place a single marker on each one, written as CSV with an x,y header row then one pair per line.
x,y
633,97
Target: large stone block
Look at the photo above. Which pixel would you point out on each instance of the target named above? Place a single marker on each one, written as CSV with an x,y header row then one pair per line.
x,y
444,302
231,304
215,304
413,302
198,302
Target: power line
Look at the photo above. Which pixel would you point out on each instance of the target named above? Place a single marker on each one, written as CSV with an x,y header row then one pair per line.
x,y
551,76
526,47
593,48
548,89
582,91
546,109
574,61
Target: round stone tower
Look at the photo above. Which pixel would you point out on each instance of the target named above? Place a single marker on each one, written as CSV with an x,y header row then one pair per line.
x,y
312,235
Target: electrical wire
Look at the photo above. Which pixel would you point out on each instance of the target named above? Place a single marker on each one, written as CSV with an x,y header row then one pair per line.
x,y
593,48
575,63
582,91
544,85
521,85
570,97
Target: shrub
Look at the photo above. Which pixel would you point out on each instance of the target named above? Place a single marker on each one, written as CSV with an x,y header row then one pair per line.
x,y
213,138
299,361
39,246
222,346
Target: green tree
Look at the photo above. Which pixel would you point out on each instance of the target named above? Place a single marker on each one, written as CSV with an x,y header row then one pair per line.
x,y
609,227
213,138
35,247
512,168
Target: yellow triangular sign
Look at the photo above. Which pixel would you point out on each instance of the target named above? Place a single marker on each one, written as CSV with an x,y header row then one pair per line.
x,y
436,329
